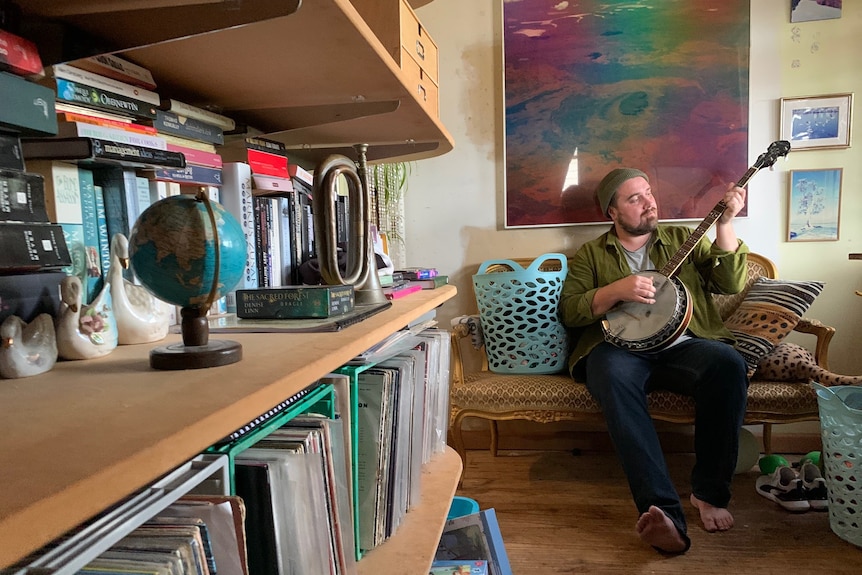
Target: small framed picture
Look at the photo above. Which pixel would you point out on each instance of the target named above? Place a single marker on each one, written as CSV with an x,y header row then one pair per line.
x,y
817,122
814,205
811,10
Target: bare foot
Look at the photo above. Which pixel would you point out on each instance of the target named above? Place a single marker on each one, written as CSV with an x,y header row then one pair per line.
x,y
713,518
656,529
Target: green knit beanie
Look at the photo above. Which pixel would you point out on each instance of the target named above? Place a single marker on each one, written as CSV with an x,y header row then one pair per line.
x,y
612,182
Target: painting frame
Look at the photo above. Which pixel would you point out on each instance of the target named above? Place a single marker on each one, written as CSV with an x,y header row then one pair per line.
x,y
799,113
812,193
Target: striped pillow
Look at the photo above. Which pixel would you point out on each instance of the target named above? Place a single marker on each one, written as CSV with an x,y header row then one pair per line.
x,y
770,310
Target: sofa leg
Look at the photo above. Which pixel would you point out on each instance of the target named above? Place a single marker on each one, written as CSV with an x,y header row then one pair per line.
x,y
495,437
767,439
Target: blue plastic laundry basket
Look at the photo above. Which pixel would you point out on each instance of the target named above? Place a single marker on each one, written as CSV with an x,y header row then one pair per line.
x,y
841,433
519,312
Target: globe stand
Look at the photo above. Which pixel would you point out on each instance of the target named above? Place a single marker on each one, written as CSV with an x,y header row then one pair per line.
x,y
197,350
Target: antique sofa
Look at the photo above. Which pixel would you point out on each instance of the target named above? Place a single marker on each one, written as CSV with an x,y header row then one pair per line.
x,y
778,393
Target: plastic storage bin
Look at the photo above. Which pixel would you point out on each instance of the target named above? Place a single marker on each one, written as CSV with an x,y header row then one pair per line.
x,y
518,309
840,410
462,506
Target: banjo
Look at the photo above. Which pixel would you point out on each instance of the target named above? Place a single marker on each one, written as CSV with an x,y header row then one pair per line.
x,y
643,327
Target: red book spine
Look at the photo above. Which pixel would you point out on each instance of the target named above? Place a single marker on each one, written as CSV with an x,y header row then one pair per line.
x,y
267,164
197,157
19,56
127,126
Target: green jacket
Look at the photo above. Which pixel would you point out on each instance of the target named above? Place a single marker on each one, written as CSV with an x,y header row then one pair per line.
x,y
708,269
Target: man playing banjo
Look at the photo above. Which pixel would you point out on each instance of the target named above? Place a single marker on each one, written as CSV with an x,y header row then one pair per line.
x,y
697,359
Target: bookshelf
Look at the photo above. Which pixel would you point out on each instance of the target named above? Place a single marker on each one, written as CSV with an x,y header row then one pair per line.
x,y
83,436
314,77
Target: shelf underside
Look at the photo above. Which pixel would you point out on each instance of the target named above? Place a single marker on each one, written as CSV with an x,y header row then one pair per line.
x,y
317,80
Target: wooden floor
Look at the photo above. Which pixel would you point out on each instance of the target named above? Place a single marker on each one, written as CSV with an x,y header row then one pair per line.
x,y
563,513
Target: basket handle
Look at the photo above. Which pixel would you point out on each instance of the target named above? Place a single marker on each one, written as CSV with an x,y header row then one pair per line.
x,y
486,264
537,263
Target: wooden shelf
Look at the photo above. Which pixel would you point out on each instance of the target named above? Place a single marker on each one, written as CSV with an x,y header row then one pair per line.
x,y
83,436
317,80
411,550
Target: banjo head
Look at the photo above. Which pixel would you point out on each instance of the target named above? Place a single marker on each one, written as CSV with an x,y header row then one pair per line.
x,y
640,326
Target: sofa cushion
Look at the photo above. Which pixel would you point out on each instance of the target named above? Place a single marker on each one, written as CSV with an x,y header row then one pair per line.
x,y
770,310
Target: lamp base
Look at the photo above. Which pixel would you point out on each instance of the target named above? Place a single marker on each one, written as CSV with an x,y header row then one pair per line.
x,y
215,353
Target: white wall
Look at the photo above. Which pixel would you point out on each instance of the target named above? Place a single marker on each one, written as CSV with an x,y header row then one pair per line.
x,y
454,202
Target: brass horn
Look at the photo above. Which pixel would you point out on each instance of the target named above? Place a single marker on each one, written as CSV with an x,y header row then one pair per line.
x,y
361,270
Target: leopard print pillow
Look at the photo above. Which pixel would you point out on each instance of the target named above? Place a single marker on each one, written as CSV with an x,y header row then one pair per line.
x,y
791,362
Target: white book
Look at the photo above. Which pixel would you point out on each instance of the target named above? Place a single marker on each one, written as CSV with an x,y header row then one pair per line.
x,y
85,130
62,190
73,109
189,111
236,197
119,69
102,82
270,184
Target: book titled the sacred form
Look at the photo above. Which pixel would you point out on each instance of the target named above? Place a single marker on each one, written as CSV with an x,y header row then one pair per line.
x,y
294,302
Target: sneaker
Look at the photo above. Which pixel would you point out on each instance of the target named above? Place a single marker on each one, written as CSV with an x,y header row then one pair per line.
x,y
785,488
814,486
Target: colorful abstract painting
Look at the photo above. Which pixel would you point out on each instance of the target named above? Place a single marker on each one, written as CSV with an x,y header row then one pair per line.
x,y
659,85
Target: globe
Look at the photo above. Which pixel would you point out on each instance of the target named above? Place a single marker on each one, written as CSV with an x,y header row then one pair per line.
x,y
172,250
189,251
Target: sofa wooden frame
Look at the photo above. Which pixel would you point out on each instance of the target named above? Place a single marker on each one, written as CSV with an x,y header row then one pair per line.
x,y
549,398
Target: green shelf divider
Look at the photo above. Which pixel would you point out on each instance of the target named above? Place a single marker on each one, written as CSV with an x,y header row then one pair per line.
x,y
320,400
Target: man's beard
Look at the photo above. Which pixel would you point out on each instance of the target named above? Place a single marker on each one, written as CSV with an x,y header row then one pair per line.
x,y
644,227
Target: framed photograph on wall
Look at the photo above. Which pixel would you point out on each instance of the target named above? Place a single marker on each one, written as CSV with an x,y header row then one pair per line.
x,y
811,10
814,205
817,122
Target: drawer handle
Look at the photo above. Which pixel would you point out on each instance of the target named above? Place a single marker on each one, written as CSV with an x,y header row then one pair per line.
x,y
420,50
422,92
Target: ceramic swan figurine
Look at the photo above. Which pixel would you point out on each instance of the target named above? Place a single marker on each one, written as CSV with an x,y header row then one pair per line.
x,y
27,349
141,317
84,331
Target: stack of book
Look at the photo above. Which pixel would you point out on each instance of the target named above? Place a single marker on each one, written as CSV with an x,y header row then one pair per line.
x,y
405,281
34,252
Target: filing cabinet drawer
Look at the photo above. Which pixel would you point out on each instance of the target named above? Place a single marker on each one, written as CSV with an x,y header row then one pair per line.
x,y
421,84
417,43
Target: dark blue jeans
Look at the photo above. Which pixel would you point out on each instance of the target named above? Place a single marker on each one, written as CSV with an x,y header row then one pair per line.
x,y
711,372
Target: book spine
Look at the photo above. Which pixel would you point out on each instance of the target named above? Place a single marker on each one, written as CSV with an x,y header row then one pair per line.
x,y
286,240
73,235
265,145
237,199
189,111
62,190
32,247
294,302
11,155
93,276
73,74
128,126
191,128
269,185
119,69
262,163
274,222
102,230
191,174
90,97
299,173
22,197
97,150
296,232
113,187
261,237
27,107
118,134
197,157
27,295
18,55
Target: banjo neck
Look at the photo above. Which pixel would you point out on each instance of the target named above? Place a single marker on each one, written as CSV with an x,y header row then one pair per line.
x,y
672,266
